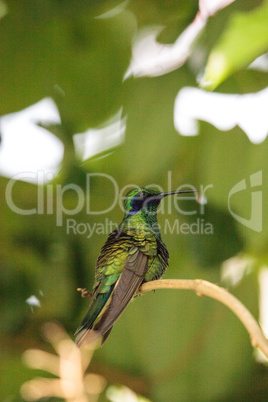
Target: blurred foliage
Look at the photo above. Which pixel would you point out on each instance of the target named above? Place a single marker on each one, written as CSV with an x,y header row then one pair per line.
x,y
168,345
230,53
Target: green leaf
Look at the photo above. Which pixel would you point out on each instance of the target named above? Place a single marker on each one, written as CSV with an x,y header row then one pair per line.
x,y
79,61
243,40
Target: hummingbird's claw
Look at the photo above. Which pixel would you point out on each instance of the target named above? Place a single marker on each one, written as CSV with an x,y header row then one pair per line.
x,y
84,292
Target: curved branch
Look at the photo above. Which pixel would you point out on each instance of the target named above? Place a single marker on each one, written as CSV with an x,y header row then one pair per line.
x,y
204,288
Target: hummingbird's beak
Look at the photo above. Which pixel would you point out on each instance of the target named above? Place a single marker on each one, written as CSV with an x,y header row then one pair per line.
x,y
178,192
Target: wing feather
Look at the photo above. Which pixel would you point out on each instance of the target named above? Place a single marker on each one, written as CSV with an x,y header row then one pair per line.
x,y
130,280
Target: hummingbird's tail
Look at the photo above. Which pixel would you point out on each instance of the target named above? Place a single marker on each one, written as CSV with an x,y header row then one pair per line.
x,y
94,311
87,336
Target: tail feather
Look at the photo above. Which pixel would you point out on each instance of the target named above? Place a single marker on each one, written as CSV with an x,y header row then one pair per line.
x,y
87,336
105,336
94,311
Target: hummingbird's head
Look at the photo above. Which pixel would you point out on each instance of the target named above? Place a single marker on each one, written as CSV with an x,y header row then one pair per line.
x,y
145,200
141,199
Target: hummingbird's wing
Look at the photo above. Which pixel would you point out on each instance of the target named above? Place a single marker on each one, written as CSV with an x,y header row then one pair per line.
x,y
130,280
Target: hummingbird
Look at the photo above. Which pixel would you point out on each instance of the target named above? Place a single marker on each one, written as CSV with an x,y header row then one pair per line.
x,y
134,253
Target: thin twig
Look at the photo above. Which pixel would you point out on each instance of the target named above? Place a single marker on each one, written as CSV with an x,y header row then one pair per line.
x,y
204,288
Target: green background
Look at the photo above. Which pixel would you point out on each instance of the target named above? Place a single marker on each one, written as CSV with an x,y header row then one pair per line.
x,y
168,345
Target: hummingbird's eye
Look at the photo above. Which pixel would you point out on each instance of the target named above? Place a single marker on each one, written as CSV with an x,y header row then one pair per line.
x,y
135,204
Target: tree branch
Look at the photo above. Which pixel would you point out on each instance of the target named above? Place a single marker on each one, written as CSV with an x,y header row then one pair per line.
x,y
204,288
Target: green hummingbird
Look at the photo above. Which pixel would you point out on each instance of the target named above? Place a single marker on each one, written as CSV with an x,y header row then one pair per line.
x,y
134,253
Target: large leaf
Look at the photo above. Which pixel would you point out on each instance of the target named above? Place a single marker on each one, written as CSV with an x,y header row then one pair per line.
x,y
243,40
64,57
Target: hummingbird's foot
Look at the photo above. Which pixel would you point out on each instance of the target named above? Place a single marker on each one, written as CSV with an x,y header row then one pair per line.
x,y
84,292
